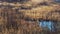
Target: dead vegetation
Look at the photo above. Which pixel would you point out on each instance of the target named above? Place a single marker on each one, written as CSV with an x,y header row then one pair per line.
x,y
22,18
42,12
14,23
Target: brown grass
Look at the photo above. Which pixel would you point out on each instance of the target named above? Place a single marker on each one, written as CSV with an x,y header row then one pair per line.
x,y
42,12
21,21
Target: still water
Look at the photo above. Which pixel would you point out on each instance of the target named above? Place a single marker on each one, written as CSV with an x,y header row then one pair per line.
x,y
48,24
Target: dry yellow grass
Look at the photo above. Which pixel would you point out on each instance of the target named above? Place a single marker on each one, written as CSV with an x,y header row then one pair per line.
x,y
14,22
21,24
42,12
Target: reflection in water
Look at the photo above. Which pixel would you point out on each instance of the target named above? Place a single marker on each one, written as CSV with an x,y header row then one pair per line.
x,y
58,1
48,24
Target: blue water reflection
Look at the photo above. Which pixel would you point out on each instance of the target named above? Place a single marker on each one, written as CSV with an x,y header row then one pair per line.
x,y
58,1
48,24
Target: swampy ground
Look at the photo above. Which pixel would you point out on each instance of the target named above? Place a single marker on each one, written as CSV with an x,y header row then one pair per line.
x,y
29,17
